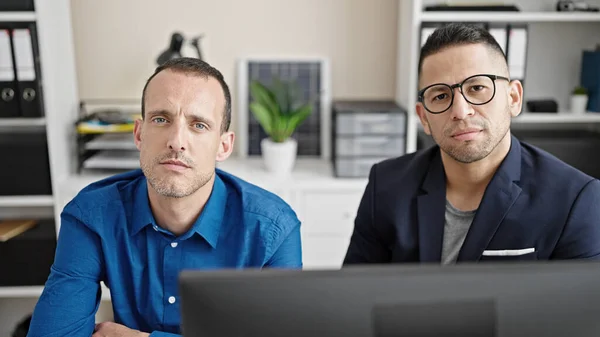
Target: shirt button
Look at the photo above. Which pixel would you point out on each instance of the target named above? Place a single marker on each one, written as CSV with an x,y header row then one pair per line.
x,y
155,228
172,299
173,244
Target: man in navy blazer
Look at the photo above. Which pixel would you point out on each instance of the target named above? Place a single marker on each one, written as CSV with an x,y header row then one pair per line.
x,y
480,194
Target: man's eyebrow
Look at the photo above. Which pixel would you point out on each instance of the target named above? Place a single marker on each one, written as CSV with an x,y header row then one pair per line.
x,y
160,112
202,119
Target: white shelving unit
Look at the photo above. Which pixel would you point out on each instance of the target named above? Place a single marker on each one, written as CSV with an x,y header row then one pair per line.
x,y
17,16
27,201
555,44
21,292
22,122
557,118
526,17
54,32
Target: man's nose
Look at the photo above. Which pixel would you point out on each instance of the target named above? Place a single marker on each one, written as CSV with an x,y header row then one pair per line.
x,y
177,138
460,109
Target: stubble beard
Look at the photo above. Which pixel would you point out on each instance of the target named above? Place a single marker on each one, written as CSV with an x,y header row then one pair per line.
x,y
174,185
472,151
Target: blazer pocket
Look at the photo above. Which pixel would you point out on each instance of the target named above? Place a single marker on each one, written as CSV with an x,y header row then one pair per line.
x,y
509,255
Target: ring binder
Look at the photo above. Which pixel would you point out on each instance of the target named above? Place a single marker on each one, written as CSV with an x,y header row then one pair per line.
x,y
9,104
20,88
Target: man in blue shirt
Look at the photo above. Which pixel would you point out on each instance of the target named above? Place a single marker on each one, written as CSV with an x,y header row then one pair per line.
x,y
136,231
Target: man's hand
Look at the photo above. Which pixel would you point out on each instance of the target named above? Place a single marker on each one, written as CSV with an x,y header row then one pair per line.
x,y
110,329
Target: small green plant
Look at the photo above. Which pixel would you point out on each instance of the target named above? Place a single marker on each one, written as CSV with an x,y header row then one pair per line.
x,y
278,109
580,91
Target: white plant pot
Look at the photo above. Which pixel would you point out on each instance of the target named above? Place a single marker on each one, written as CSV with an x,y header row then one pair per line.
x,y
579,104
279,158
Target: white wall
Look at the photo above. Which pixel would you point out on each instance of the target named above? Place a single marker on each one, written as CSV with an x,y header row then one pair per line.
x,y
117,42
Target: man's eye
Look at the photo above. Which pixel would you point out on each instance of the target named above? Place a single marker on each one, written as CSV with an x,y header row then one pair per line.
x,y
200,126
159,120
439,97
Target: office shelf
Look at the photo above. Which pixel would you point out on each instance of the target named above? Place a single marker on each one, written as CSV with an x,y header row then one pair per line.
x,y
562,118
16,122
26,201
527,17
114,160
17,16
119,141
23,291
36,291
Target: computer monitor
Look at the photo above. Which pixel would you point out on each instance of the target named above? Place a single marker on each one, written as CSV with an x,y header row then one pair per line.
x,y
543,299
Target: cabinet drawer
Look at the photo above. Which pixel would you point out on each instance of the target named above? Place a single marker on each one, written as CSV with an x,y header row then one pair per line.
x,y
369,146
26,259
329,213
28,172
321,252
355,167
370,123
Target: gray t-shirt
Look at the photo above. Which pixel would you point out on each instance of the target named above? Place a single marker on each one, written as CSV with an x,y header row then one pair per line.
x,y
456,227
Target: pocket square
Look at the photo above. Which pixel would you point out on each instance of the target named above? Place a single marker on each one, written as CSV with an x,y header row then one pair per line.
x,y
508,252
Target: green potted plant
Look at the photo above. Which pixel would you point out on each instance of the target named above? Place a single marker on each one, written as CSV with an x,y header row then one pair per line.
x,y
579,100
279,110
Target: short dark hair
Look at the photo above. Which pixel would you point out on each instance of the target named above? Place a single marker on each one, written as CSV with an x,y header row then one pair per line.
x,y
188,65
456,34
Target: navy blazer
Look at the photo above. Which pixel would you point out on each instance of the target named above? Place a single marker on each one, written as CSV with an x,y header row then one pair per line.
x,y
533,201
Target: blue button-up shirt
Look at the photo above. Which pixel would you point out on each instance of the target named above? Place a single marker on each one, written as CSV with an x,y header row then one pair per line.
x,y
108,233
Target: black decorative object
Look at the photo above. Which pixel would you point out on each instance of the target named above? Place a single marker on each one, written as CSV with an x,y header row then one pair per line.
x,y
174,49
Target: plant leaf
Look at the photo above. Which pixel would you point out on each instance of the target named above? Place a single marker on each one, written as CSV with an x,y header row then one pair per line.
x,y
279,128
264,96
263,116
281,95
297,118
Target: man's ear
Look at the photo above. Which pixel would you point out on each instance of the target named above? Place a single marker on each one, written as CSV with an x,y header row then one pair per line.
x,y
421,113
225,145
515,97
137,133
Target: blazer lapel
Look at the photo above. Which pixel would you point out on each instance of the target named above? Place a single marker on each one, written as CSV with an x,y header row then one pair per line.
x,y
501,193
431,207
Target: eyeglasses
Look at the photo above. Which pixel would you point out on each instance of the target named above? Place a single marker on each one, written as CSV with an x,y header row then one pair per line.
x,y
477,90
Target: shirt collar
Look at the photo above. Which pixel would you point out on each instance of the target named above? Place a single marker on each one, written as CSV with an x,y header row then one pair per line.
x,y
208,224
141,212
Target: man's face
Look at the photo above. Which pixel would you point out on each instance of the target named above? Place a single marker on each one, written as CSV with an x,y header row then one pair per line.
x,y
180,137
467,132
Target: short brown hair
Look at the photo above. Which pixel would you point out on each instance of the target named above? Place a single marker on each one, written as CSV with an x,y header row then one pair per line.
x,y
198,67
456,34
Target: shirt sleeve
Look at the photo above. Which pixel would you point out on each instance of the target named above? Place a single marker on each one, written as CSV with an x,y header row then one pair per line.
x,y
163,334
581,235
72,294
288,249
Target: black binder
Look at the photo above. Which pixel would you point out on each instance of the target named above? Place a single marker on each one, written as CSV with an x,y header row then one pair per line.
x,y
17,5
20,89
9,101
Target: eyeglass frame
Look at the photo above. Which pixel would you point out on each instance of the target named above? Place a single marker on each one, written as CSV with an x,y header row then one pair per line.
x,y
459,85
